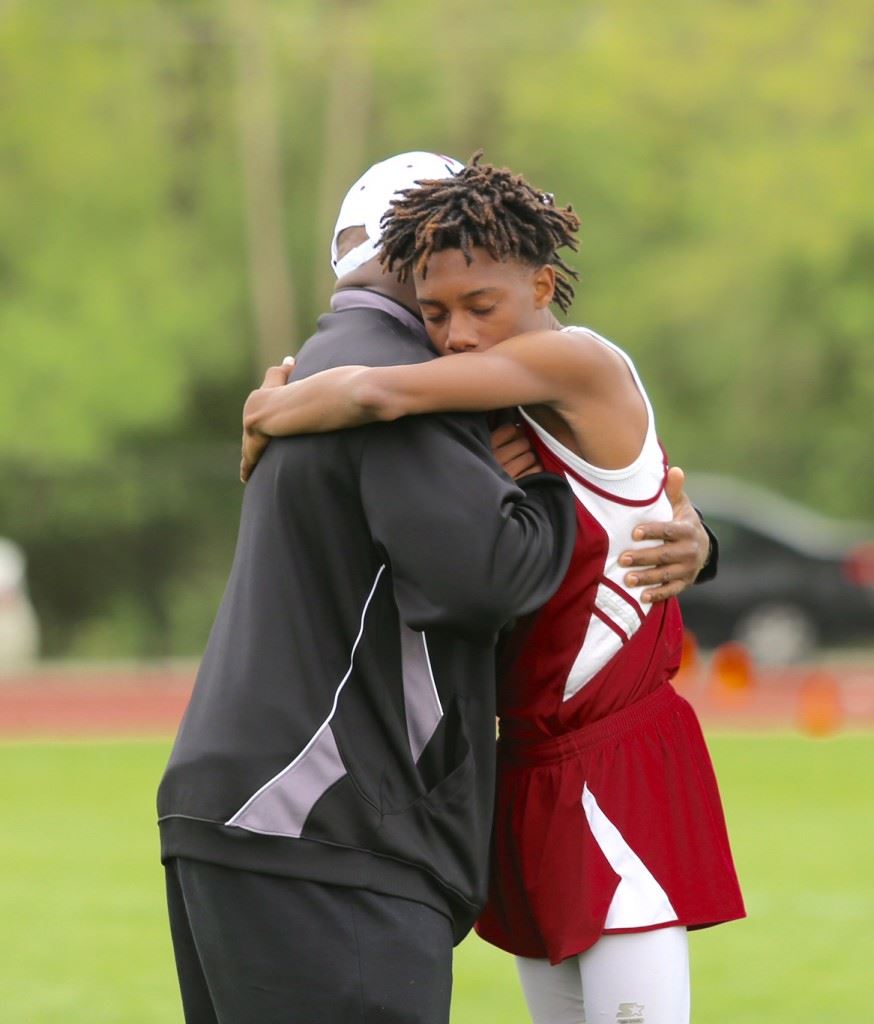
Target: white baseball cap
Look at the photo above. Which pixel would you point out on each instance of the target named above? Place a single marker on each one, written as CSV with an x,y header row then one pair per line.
x,y
370,197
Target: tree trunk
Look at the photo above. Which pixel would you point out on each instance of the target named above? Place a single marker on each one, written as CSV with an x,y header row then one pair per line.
x,y
347,114
261,162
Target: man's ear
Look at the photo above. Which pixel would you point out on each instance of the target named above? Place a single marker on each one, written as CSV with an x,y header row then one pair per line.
x,y
544,286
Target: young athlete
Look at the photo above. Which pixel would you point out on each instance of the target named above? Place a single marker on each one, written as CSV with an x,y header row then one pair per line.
x,y
610,840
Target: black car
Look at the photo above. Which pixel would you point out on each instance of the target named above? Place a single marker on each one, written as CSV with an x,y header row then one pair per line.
x,y
789,579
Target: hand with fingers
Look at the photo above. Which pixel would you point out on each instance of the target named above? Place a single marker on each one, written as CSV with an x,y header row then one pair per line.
x,y
254,442
513,451
670,566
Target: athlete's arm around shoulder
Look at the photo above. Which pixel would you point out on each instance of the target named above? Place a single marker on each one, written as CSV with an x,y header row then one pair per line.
x,y
560,369
541,367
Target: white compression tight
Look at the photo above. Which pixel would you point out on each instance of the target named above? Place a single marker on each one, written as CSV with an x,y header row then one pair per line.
x,y
630,978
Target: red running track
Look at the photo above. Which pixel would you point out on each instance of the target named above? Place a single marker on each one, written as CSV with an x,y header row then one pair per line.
x,y
102,701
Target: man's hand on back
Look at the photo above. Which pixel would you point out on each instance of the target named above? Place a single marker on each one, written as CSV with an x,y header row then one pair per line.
x,y
671,566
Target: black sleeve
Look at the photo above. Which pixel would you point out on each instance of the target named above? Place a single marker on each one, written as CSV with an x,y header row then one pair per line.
x,y
711,566
468,548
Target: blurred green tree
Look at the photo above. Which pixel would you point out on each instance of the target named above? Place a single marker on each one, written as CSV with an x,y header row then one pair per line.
x,y
168,170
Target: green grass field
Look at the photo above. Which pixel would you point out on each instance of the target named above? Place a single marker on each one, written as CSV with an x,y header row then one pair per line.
x,y
82,903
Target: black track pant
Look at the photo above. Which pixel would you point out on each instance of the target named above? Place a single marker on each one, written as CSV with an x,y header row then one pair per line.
x,y
261,949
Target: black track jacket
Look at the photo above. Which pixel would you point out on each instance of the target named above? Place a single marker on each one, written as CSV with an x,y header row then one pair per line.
x,y
342,725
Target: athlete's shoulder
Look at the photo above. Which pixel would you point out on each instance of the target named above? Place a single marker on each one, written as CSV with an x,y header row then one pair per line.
x,y
564,347
583,357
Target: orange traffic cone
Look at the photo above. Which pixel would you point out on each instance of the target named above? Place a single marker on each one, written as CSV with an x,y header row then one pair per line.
x,y
732,674
820,712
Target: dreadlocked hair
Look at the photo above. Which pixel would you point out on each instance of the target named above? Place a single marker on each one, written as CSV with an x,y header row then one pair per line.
x,y
481,206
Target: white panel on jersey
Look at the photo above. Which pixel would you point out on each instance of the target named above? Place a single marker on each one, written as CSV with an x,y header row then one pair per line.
x,y
618,521
601,642
639,900
599,646
618,609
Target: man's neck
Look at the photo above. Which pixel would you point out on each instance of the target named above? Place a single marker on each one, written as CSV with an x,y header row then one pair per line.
x,y
370,298
374,278
386,293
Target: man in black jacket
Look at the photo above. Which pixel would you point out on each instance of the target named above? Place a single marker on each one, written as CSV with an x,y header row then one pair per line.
x,y
326,811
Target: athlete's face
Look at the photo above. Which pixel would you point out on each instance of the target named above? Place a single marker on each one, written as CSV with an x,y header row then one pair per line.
x,y
469,308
